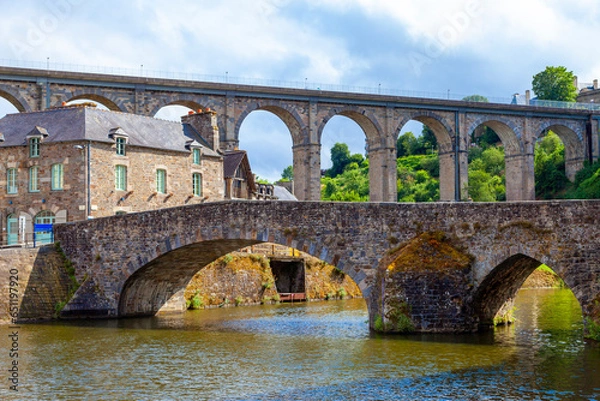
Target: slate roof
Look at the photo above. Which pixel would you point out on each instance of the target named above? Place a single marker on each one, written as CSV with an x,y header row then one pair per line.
x,y
232,159
90,124
283,194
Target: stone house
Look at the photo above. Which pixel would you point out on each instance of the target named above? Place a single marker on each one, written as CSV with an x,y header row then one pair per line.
x,y
239,180
74,163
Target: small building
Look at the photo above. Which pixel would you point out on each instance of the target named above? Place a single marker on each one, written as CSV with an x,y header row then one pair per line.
x,y
75,163
239,180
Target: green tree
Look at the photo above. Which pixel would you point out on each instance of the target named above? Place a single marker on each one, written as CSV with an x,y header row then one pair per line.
x,y
428,140
406,144
589,188
555,83
486,169
549,167
341,158
476,98
288,173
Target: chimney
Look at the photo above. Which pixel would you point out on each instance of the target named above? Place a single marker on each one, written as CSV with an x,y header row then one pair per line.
x,y
205,122
595,84
527,96
576,82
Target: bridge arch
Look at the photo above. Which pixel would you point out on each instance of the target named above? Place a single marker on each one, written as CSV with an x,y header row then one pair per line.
x,y
444,135
287,113
379,152
108,103
571,136
15,99
508,132
442,130
190,101
502,283
366,120
518,165
154,283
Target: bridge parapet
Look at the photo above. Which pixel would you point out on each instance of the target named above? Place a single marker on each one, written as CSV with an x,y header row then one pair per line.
x,y
133,264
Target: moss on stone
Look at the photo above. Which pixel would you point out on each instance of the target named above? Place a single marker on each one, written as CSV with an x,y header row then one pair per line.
x,y
430,251
74,283
593,320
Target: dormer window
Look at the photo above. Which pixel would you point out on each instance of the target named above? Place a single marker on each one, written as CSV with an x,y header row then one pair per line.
x,y
120,141
196,150
34,138
121,138
34,147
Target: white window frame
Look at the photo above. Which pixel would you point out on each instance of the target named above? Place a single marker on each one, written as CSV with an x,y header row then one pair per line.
x,y
58,177
121,177
197,156
34,179
161,181
34,146
197,184
12,186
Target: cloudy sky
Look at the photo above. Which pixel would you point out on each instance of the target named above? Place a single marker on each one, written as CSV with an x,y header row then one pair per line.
x,y
462,47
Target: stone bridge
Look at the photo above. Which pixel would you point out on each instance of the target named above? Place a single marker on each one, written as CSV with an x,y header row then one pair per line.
x,y
306,112
135,264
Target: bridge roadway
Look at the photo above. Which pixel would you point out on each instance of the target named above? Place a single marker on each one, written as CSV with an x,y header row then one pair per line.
x,y
306,113
136,264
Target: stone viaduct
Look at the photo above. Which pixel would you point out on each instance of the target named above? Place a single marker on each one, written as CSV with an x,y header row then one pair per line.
x,y
139,263
306,112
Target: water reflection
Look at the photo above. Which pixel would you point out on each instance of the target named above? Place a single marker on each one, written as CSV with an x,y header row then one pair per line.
x,y
312,351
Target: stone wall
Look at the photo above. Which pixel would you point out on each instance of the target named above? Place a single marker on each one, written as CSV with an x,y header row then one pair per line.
x,y
42,282
141,193
28,204
136,263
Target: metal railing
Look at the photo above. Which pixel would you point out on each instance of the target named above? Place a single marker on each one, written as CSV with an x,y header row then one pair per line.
x,y
225,78
29,240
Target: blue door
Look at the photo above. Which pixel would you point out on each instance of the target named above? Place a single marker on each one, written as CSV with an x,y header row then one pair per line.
x,y
12,230
42,229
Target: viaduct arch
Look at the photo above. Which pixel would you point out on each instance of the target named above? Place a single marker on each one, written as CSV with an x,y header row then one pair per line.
x,y
132,265
305,112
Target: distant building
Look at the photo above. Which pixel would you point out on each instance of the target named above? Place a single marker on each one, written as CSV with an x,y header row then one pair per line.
x,y
75,163
589,93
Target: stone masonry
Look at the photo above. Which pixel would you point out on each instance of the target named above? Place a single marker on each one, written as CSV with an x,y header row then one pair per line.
x,y
134,264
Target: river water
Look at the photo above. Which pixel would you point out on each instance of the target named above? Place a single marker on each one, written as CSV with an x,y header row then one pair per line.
x,y
314,351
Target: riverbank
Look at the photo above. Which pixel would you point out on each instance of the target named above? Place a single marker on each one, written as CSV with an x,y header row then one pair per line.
x,y
543,277
242,278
